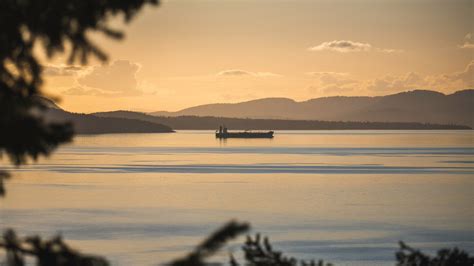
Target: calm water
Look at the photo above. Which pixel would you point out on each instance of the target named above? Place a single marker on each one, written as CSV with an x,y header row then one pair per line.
x,y
343,196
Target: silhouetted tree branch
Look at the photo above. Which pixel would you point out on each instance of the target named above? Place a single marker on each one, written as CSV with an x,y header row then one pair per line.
x,y
258,252
261,253
212,244
408,256
52,252
55,26
3,176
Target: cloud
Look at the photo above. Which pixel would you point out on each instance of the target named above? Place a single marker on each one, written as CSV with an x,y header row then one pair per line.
x,y
468,44
332,82
115,79
457,80
331,89
266,74
345,46
322,73
389,83
81,91
342,46
234,72
389,51
466,76
333,78
337,83
63,70
243,73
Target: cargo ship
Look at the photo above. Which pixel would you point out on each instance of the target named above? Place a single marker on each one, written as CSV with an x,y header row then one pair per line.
x,y
223,133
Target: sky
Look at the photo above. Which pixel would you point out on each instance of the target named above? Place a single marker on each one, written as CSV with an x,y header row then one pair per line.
x,y
191,52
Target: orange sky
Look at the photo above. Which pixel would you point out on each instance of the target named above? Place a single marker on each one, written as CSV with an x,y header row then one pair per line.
x,y
191,52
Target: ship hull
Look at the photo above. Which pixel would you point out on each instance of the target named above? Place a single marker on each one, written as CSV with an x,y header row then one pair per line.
x,y
245,135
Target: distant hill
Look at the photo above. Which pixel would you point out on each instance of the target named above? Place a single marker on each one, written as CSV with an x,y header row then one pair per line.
x,y
48,103
415,106
195,122
90,124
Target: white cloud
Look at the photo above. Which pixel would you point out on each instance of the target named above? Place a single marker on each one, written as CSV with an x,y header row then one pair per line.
x,y
234,72
81,91
346,46
333,78
243,73
468,44
266,74
332,90
390,83
342,46
115,79
466,76
63,70
389,50
330,83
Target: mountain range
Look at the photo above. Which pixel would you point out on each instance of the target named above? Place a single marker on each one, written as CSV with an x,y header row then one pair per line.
x,y
421,106
408,110
211,123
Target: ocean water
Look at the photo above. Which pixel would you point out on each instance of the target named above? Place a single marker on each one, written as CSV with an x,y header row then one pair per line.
x,y
346,197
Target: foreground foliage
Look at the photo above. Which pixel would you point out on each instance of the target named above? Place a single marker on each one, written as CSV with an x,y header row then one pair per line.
x,y
257,251
261,253
408,256
56,27
52,252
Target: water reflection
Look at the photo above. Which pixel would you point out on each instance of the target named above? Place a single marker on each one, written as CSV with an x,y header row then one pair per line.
x,y
341,196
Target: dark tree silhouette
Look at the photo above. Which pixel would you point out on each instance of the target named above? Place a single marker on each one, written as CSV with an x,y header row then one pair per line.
x,y
256,252
57,27
47,252
260,253
212,244
408,256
